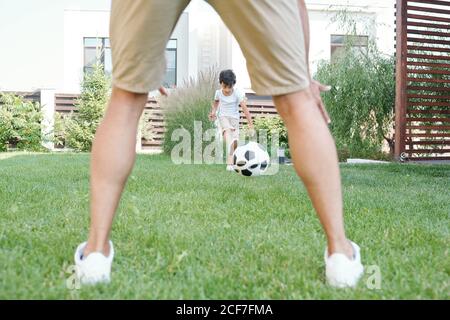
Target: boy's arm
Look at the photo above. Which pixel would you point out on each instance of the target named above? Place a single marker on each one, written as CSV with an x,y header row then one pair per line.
x,y
163,91
212,114
247,113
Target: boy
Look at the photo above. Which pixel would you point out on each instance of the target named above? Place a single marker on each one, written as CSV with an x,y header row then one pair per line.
x,y
274,37
227,100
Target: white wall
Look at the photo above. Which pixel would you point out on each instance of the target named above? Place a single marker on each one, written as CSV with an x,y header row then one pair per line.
x,y
210,41
80,24
77,25
374,18
32,36
42,40
321,30
181,33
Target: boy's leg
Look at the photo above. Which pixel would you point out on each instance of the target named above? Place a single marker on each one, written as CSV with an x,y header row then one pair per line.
x,y
228,126
234,146
315,161
112,159
230,145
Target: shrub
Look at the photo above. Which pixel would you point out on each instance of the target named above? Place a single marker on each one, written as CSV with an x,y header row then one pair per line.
x,y
77,130
20,123
361,101
272,125
188,104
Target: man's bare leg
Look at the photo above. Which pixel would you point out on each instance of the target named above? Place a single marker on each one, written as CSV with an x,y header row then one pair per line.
x,y
315,160
113,156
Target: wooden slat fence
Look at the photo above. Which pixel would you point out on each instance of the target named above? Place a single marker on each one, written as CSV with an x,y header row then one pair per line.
x,y
65,103
422,122
28,96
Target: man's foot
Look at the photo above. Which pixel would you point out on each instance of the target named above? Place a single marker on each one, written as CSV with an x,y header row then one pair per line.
x,y
341,271
95,268
230,167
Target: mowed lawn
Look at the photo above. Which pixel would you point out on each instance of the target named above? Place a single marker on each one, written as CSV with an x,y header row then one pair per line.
x,y
199,232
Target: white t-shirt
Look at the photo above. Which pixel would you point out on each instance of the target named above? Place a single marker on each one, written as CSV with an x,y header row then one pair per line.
x,y
229,105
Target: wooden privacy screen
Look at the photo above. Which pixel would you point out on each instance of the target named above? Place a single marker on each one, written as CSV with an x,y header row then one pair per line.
x,y
65,103
256,107
422,108
34,96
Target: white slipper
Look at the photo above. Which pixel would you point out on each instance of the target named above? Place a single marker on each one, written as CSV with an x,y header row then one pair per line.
x,y
95,268
342,272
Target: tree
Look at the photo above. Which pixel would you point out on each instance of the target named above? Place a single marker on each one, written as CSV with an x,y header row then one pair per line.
x,y
78,129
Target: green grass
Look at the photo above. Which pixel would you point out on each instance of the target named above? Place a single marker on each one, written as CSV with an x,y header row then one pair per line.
x,y
198,232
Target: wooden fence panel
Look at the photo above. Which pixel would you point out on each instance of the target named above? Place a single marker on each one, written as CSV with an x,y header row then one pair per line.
x,y
34,96
422,112
256,108
65,103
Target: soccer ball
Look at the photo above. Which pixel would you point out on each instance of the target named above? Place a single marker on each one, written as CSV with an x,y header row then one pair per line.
x,y
250,159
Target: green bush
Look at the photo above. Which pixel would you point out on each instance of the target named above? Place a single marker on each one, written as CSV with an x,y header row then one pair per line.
x,y
188,104
20,123
77,130
361,101
272,125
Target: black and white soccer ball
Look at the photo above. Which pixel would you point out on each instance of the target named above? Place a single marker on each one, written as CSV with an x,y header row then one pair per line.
x,y
251,159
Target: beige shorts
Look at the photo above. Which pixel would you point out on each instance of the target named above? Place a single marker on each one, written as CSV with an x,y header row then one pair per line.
x,y
229,123
268,31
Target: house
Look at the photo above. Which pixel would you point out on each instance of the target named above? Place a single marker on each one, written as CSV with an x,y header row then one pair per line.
x,y
48,44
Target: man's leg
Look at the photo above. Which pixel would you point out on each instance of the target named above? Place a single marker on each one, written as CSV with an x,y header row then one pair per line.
x,y
315,160
281,70
113,156
139,32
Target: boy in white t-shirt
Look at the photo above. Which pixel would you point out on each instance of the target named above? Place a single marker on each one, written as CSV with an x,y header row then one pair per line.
x,y
227,100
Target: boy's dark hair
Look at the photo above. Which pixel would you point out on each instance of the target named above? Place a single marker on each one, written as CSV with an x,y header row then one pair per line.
x,y
227,77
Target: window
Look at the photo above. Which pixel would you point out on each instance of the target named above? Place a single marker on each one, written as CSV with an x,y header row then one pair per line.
x,y
338,43
97,50
170,79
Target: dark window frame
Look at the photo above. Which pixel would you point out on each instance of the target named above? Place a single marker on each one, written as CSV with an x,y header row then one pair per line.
x,y
354,44
176,60
102,49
